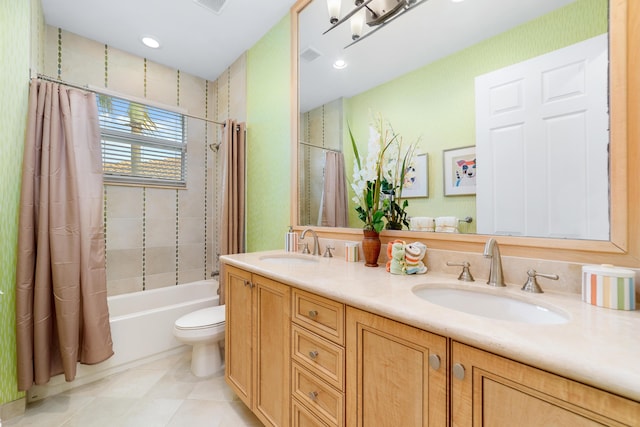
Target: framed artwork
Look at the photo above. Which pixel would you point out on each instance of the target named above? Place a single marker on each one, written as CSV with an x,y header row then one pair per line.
x,y
459,165
419,186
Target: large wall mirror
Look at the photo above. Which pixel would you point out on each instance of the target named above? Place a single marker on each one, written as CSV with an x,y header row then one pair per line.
x,y
438,73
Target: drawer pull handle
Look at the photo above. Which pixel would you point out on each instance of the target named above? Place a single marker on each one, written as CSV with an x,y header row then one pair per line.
x,y
313,314
313,395
434,361
458,371
313,354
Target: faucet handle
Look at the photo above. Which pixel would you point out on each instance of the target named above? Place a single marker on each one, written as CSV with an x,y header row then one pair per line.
x,y
465,275
531,285
305,247
327,252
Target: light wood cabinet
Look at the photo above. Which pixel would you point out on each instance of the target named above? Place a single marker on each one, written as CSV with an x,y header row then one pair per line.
x,y
298,359
257,357
396,374
494,391
317,368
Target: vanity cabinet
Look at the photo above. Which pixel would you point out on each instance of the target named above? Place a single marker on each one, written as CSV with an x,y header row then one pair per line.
x,y
318,361
487,389
257,344
396,374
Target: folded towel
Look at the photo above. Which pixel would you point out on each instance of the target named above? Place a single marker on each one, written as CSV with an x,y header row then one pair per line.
x,y
447,224
421,223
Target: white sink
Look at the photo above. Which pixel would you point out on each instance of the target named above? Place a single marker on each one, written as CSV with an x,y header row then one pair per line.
x,y
491,306
288,259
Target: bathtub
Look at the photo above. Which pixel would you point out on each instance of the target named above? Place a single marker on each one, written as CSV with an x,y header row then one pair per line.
x,y
141,330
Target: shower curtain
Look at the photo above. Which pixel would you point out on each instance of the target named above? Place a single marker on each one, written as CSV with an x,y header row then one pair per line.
x,y
233,193
333,207
61,297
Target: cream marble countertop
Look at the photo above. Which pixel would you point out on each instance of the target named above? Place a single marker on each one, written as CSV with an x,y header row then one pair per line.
x,y
597,346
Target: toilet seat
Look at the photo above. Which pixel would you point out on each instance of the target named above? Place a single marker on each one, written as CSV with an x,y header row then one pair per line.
x,y
202,319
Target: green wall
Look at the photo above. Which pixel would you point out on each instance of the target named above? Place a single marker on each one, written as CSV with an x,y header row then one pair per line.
x,y
15,25
269,139
447,118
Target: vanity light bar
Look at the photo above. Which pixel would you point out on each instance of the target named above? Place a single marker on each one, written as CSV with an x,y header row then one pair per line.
x,y
394,17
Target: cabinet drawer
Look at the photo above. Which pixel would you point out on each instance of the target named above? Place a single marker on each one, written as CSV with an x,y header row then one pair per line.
x,y
318,355
302,417
320,315
322,399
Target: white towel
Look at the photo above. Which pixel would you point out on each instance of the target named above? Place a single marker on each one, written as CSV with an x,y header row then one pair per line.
x,y
421,223
447,224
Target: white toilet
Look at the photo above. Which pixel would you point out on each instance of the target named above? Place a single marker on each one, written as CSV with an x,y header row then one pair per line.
x,y
204,330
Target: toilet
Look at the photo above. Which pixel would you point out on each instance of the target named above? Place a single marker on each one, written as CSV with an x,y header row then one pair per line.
x,y
204,330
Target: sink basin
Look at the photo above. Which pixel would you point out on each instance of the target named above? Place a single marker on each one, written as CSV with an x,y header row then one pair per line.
x,y
288,259
491,306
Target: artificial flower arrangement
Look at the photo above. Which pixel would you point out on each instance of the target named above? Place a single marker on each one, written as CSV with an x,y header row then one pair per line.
x,y
379,180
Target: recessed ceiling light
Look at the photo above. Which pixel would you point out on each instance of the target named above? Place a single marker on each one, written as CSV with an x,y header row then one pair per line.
x,y
150,42
339,64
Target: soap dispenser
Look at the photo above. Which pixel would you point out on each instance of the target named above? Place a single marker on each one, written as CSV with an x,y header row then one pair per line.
x,y
291,241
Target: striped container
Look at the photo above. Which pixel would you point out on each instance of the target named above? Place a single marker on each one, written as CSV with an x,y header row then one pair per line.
x,y
351,251
609,286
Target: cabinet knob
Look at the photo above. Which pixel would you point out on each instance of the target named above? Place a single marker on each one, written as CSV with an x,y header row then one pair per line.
x,y
249,283
434,361
313,354
313,314
458,371
313,395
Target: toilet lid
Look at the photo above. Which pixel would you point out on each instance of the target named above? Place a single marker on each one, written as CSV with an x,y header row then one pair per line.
x,y
202,318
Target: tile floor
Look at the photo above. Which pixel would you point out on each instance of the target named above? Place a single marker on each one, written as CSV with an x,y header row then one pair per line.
x,y
162,393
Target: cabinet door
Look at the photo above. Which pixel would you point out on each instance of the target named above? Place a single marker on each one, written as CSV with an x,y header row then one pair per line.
x,y
238,333
272,308
493,391
389,380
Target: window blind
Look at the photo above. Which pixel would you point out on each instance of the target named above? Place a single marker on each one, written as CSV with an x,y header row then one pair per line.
x,y
141,144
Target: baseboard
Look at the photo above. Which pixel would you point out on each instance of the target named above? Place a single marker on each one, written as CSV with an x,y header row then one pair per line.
x,y
12,409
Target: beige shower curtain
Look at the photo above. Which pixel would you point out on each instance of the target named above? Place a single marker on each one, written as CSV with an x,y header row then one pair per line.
x,y
61,305
333,210
233,193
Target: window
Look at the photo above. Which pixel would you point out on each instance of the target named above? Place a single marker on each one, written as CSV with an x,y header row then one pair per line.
x,y
141,144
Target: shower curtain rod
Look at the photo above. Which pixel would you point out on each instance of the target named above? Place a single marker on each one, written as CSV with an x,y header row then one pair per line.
x,y
321,148
110,93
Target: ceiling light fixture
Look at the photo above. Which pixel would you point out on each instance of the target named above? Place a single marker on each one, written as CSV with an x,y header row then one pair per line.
x,y
151,42
340,64
334,10
376,14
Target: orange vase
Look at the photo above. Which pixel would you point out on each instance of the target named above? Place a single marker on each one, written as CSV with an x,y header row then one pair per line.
x,y
371,248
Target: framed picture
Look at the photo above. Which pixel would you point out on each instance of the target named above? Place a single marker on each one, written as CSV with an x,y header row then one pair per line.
x,y
419,186
459,165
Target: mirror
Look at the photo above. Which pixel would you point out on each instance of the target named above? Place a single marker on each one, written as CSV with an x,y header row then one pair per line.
x,y
623,246
421,73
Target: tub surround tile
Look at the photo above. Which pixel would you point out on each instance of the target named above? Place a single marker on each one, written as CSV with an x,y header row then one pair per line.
x,y
160,232
123,286
160,260
160,203
124,202
156,281
606,339
124,233
124,263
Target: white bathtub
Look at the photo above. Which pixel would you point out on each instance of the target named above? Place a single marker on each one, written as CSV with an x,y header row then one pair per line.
x,y
141,329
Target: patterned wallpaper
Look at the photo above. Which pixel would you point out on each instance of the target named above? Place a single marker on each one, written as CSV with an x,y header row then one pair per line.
x,y
269,139
15,24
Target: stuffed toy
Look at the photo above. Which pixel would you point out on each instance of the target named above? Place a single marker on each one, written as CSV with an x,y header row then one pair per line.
x,y
398,263
414,253
389,253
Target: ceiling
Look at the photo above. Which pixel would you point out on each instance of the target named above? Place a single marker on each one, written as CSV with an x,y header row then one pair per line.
x,y
432,30
193,39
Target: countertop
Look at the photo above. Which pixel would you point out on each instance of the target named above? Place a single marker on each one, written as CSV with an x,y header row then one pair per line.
x,y
597,346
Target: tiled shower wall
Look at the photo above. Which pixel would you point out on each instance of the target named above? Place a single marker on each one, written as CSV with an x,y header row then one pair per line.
x,y
320,128
157,237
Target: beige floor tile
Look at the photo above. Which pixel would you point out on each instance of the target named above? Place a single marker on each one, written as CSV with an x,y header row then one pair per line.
x,y
102,412
133,384
51,412
151,413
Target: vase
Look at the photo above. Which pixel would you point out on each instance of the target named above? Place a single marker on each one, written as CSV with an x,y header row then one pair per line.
x,y
371,247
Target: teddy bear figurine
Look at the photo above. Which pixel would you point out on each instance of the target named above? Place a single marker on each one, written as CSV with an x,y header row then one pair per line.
x,y
390,253
414,253
398,263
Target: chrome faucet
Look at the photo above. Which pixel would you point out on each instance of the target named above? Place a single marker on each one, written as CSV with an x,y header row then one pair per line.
x,y
492,251
316,245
